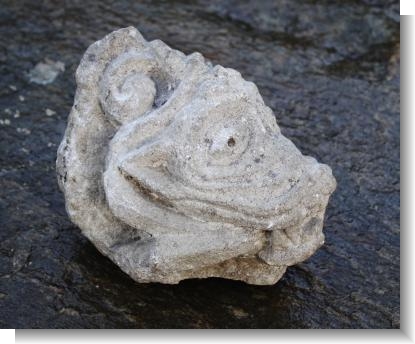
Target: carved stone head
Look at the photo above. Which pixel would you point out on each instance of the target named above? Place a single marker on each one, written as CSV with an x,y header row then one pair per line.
x,y
175,168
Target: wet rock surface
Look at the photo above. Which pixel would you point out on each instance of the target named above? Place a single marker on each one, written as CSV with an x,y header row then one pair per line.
x,y
330,72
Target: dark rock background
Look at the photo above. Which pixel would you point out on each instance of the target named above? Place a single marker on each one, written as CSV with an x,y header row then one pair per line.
x,y
329,70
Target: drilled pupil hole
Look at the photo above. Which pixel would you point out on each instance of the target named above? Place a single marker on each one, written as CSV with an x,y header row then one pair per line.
x,y
231,142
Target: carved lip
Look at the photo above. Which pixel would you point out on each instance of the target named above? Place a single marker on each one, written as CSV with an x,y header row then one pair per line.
x,y
316,179
294,244
267,220
146,190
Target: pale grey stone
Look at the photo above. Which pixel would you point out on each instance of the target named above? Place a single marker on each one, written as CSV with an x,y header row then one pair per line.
x,y
176,169
46,72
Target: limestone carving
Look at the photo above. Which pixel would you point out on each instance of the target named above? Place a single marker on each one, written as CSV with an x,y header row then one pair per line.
x,y
175,168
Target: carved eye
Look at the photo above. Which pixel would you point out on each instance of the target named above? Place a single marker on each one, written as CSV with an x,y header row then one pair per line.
x,y
231,142
226,144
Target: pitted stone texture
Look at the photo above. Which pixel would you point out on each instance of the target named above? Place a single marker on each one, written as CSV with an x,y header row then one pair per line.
x,y
176,169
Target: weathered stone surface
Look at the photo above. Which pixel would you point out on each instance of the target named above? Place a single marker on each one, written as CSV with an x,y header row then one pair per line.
x,y
330,72
175,168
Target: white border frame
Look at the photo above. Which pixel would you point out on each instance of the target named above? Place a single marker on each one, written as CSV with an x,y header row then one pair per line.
x,y
405,335
407,7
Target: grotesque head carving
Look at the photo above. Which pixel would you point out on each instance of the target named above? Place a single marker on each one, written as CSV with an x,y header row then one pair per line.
x,y
175,168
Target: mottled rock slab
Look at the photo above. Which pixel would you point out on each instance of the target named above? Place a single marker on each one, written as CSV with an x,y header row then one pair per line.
x,y
329,72
175,168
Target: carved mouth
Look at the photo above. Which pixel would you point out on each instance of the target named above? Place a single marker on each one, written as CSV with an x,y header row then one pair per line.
x,y
258,218
146,190
292,245
283,246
